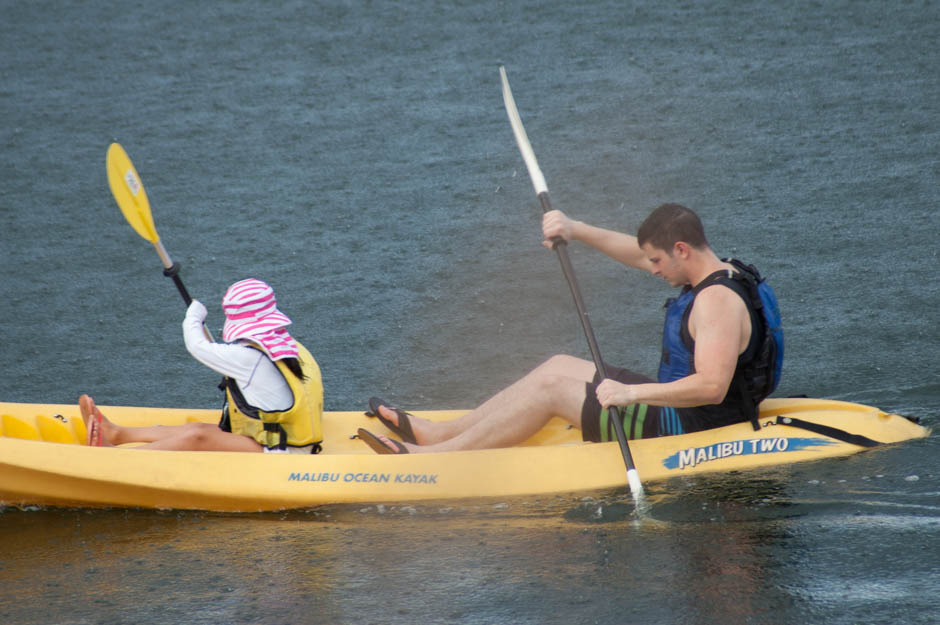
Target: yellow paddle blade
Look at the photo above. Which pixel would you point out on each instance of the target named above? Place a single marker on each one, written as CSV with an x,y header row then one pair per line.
x,y
129,193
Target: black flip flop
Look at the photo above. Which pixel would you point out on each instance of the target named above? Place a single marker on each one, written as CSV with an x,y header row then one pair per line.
x,y
379,446
403,429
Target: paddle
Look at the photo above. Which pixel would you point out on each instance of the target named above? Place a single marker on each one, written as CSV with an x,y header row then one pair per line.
x,y
561,248
131,198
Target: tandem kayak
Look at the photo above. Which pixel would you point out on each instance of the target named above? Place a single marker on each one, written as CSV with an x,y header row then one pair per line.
x,y
44,461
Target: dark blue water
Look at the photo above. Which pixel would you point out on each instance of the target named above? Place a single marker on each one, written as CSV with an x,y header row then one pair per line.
x,y
357,156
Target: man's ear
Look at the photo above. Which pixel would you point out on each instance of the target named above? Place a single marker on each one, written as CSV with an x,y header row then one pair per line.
x,y
681,249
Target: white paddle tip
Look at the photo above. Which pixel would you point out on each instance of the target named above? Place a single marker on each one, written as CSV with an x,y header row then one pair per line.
x,y
636,487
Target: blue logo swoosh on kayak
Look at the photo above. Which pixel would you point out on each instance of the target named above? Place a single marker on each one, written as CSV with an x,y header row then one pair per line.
x,y
697,455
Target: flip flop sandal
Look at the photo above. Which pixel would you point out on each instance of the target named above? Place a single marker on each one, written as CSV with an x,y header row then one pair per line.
x,y
403,429
93,429
379,446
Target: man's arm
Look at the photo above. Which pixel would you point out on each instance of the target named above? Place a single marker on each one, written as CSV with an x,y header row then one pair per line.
x,y
620,246
720,325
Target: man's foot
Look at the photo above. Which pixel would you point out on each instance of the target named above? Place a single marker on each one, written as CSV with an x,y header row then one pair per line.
x,y
382,444
94,422
395,419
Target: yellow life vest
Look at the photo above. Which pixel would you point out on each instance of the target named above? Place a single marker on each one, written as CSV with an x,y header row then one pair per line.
x,y
298,426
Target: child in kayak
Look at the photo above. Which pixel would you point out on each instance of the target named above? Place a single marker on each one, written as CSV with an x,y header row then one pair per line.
x,y
273,389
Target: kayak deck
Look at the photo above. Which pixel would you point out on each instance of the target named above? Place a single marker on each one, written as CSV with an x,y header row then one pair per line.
x,y
43,460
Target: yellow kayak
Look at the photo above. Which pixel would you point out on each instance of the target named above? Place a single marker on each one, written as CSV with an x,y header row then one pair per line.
x,y
44,461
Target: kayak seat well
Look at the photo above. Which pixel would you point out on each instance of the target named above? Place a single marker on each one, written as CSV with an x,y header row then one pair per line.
x,y
14,427
56,429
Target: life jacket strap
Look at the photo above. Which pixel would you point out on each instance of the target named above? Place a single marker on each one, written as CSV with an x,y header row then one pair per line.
x,y
277,428
826,430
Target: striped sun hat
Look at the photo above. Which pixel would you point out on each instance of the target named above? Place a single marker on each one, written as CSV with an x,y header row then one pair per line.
x,y
251,313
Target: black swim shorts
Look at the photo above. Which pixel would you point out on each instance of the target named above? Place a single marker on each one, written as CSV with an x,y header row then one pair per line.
x,y
639,420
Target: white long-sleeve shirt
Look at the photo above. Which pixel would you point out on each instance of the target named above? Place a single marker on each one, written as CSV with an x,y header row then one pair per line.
x,y
257,376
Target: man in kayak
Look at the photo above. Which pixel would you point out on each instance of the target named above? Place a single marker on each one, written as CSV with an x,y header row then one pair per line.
x,y
273,389
721,356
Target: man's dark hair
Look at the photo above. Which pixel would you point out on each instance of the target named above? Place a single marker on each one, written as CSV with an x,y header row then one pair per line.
x,y
669,224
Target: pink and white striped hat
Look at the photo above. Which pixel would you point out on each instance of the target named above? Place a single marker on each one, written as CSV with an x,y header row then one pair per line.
x,y
251,313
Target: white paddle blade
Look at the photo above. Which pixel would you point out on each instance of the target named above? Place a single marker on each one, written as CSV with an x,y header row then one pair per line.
x,y
528,155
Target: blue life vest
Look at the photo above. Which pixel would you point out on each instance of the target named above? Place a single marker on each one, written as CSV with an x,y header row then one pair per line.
x,y
759,366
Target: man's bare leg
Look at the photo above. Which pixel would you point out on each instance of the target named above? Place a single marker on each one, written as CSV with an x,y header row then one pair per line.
x,y
554,388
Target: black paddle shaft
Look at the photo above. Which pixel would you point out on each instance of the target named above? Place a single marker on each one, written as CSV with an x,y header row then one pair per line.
x,y
561,248
174,272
